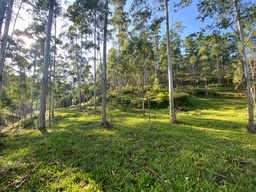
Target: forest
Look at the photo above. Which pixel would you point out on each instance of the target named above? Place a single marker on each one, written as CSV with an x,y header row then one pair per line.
x,y
109,95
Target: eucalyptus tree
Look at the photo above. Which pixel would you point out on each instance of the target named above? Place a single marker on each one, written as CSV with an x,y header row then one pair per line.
x,y
75,57
120,20
190,46
155,29
170,72
226,12
175,51
4,40
41,117
104,121
89,15
203,55
142,15
217,54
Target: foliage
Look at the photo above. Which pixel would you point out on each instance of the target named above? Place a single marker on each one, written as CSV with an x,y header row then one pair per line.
x,y
29,123
209,150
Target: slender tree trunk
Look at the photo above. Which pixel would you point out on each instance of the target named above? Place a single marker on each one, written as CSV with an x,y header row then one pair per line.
x,y
143,103
148,100
54,66
41,118
218,69
104,122
121,90
79,77
170,75
4,43
19,92
250,126
120,68
94,66
32,86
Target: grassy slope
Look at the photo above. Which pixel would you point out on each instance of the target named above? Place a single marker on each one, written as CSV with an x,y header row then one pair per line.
x,y
209,151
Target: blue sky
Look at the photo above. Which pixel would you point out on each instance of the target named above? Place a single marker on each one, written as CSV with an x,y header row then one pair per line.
x,y
186,15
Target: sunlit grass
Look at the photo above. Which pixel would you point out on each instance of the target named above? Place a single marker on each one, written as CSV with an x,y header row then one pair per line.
x,y
209,150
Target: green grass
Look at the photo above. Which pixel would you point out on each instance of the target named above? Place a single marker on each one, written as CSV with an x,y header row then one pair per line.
x,y
209,150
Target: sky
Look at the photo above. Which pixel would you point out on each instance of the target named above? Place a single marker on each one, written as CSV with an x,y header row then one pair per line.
x,y
186,15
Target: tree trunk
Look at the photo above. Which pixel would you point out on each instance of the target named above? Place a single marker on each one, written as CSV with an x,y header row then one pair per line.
x,y
41,118
79,77
170,76
120,70
54,67
32,86
94,66
2,12
104,122
3,45
250,126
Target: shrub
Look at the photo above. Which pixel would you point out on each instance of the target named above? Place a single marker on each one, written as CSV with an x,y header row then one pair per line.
x,y
29,123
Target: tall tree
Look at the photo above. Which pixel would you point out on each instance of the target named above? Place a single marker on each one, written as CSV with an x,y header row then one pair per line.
x,y
4,44
170,73
41,117
104,122
225,13
54,66
250,127
120,20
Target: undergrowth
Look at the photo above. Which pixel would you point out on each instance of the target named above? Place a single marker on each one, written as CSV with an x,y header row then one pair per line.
x,y
208,151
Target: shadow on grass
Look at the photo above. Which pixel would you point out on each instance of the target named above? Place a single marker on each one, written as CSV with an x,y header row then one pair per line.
x,y
219,103
120,159
214,124
79,155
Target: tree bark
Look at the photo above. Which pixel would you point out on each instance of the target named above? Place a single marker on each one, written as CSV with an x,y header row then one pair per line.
x,y
94,67
104,122
54,67
2,12
32,85
3,45
79,77
41,118
170,75
250,126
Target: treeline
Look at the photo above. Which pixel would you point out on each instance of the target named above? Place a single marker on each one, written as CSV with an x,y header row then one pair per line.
x,y
137,69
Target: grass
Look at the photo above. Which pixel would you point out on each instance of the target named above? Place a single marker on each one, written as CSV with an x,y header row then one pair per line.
x,y
208,151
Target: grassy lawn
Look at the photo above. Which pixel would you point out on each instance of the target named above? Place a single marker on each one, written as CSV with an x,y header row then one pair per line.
x,y
208,151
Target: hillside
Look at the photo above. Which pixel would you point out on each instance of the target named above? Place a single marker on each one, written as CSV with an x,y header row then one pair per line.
x,y
209,150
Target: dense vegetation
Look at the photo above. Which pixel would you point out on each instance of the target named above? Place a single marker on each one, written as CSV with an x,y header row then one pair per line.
x,y
136,60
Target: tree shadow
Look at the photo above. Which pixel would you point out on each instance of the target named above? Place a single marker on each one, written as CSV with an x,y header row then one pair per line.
x,y
116,159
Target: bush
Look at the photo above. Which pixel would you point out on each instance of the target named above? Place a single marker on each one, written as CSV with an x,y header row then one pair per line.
x,y
29,123
162,100
189,89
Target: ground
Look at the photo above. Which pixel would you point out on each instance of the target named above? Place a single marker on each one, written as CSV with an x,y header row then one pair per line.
x,y
209,150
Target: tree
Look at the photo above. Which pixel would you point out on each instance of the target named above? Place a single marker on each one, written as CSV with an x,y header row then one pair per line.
x,y
225,12
41,117
250,127
3,4
4,44
170,73
104,122
54,66
120,20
